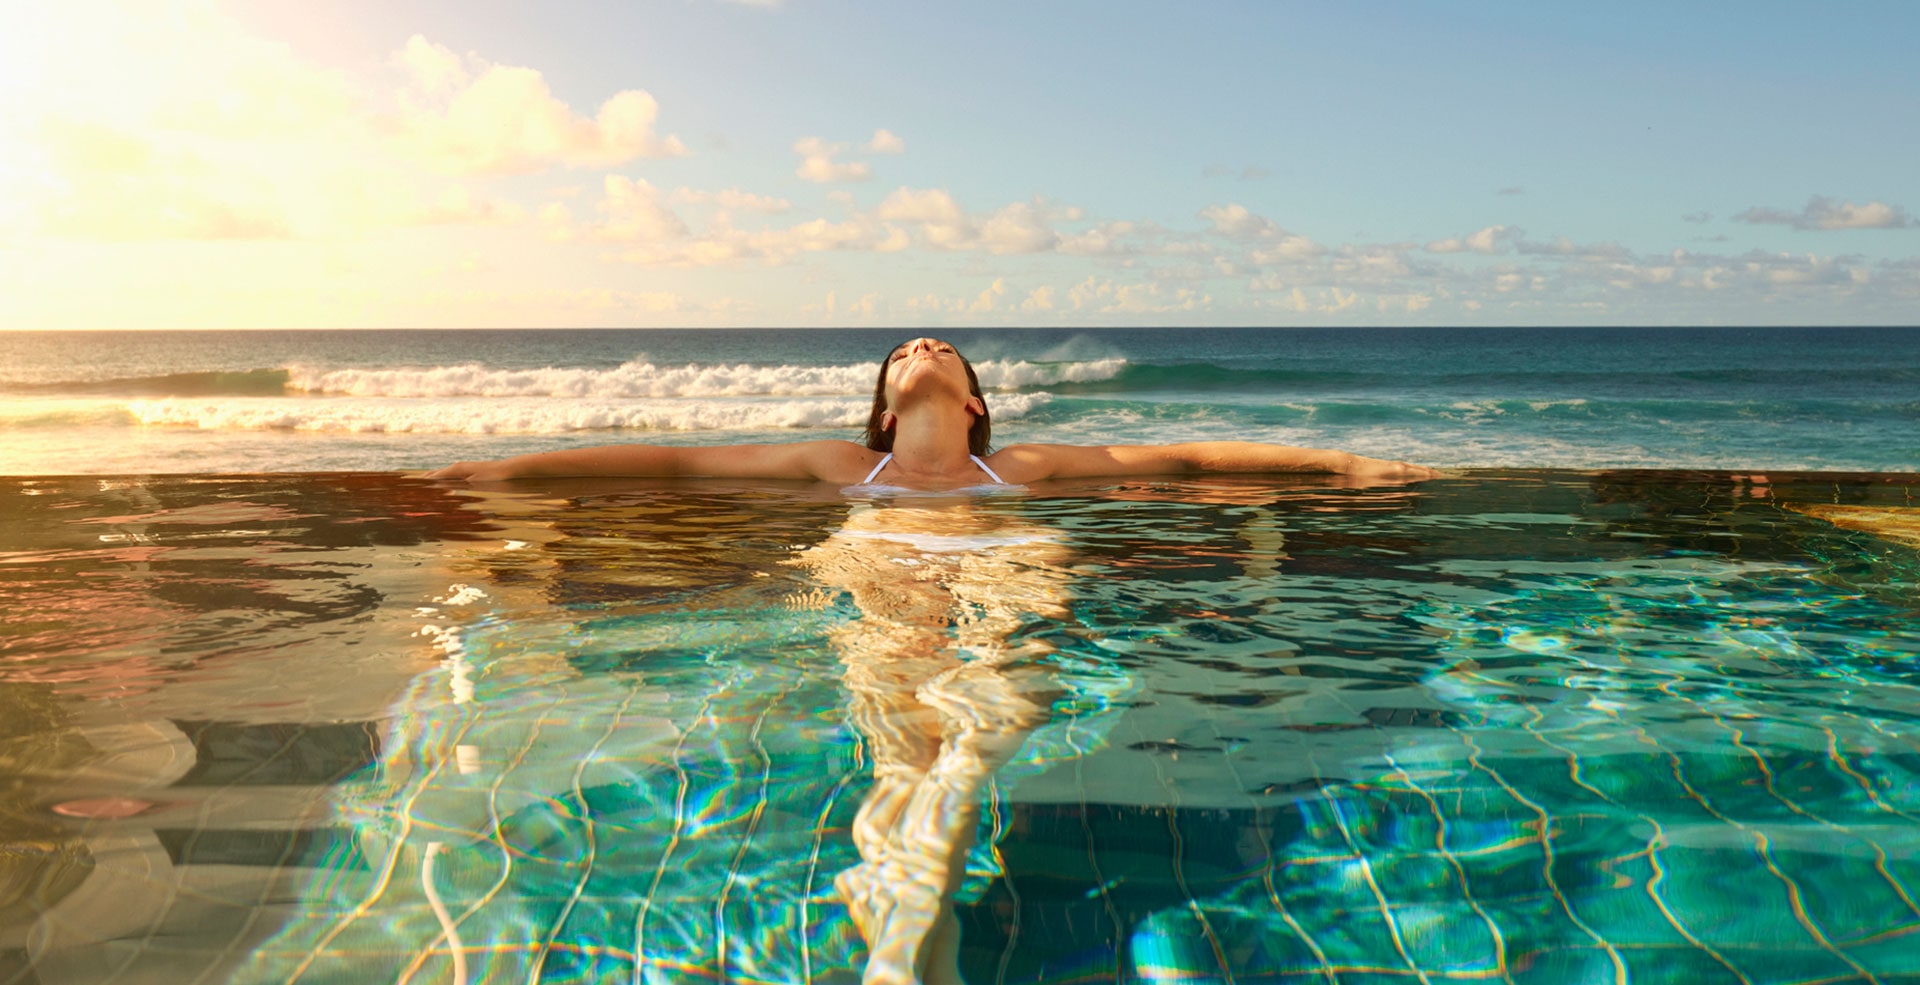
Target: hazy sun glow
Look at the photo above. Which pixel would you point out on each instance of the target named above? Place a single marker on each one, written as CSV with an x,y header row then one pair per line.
x,y
171,165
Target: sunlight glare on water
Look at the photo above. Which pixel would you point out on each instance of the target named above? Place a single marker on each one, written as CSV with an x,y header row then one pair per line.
x,y
1529,727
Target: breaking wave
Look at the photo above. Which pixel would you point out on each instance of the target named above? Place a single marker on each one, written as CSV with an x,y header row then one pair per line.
x,y
635,379
640,378
528,415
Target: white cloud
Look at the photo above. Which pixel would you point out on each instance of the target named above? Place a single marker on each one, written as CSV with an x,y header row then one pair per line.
x,y
817,162
1325,301
942,222
727,245
1822,213
556,222
1491,239
502,119
921,205
1018,228
215,160
116,186
734,200
179,67
146,122
988,297
635,214
460,205
1287,248
1235,221
619,303
1104,239
1138,298
1757,275
1273,245
1561,246
469,263
1380,266
434,68
928,217
885,142
238,138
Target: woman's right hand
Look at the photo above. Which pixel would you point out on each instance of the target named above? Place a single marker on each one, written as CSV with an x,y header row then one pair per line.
x,y
1381,470
493,471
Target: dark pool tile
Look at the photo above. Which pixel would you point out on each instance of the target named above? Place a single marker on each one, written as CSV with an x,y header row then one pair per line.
x,y
1209,944
1666,965
1893,956
332,848
1422,878
1845,887
1041,940
281,754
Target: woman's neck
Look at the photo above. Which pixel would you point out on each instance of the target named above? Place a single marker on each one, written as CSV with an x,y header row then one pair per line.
x,y
932,441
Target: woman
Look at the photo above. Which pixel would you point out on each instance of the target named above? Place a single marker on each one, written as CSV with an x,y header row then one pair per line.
x,y
943,690
928,432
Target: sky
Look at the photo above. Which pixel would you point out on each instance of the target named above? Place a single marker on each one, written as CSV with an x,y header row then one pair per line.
x,y
405,163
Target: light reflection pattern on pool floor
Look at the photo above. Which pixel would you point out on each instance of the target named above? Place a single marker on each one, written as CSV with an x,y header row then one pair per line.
x,y
1513,727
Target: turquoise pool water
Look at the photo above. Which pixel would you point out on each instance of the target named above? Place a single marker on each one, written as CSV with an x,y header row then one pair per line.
x,y
1526,727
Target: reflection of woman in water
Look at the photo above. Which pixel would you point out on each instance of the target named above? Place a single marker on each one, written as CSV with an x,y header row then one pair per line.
x,y
942,697
934,678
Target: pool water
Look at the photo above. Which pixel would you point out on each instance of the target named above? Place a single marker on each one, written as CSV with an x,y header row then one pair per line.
x,y
1529,727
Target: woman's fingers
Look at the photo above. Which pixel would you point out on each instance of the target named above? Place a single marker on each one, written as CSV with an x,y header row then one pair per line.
x,y
1374,468
472,472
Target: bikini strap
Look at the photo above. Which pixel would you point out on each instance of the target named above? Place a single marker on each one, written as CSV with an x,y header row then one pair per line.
x,y
991,474
883,464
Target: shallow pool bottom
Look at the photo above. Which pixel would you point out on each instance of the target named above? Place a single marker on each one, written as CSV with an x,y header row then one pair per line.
x,y
1529,727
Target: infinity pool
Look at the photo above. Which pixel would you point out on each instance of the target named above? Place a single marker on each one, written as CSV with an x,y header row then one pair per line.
x,y
1527,727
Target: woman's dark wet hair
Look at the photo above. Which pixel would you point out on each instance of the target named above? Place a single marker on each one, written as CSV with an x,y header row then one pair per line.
x,y
978,436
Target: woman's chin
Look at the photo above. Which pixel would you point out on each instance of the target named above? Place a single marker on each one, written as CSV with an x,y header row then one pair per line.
x,y
919,387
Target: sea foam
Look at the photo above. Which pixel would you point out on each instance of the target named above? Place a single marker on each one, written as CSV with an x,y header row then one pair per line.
x,y
523,415
640,378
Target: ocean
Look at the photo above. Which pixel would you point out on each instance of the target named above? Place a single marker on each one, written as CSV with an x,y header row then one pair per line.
x,y
396,400
1528,724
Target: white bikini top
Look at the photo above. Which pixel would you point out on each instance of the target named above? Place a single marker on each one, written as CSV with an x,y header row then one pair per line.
x,y
991,474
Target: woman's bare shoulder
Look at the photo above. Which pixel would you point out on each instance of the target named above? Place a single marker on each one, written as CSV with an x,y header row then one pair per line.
x,y
1025,463
827,460
839,461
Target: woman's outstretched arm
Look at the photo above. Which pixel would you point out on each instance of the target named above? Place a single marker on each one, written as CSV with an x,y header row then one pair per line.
x,y
826,460
1031,463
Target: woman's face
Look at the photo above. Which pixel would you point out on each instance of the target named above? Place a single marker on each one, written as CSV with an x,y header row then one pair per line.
x,y
925,366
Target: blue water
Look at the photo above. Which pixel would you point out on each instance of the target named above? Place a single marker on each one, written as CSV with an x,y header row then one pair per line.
x,y
1530,727
1732,398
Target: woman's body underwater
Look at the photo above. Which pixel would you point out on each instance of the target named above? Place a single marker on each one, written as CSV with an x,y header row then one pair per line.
x,y
928,431
942,688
